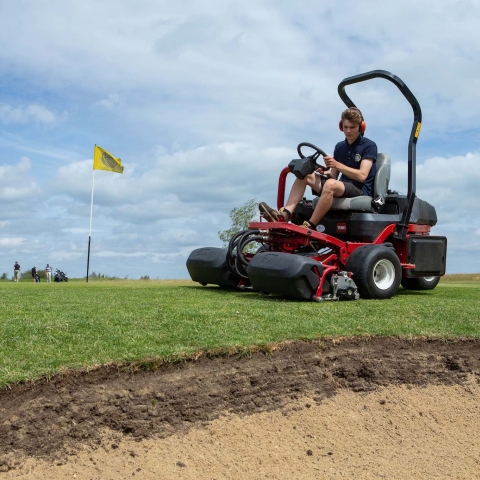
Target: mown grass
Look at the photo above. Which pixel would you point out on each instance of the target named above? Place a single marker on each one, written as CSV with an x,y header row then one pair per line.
x,y
48,328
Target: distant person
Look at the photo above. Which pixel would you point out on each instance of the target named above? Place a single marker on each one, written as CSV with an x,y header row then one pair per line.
x,y
34,274
16,272
48,272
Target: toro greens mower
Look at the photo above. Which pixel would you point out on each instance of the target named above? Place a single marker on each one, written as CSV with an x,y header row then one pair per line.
x,y
366,248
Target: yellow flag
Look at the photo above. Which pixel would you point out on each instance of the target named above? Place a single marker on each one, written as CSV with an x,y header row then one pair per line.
x,y
102,160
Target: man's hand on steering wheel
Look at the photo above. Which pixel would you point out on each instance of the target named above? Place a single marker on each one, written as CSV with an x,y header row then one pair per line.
x,y
330,162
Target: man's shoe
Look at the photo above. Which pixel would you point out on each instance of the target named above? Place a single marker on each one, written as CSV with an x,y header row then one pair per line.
x,y
272,215
285,214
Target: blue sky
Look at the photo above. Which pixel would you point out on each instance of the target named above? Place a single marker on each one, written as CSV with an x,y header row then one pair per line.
x,y
205,102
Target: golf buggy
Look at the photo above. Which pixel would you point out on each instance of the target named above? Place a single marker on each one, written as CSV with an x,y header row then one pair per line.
x,y
60,276
366,248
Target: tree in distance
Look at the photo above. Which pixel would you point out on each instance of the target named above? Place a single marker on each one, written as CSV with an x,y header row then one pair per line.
x,y
240,218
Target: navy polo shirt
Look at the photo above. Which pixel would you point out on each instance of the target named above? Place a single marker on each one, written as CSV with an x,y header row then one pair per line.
x,y
352,155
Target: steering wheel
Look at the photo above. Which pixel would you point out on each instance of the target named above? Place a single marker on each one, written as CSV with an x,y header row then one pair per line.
x,y
318,151
314,157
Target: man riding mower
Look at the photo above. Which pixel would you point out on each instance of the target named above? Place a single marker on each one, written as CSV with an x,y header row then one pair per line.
x,y
346,243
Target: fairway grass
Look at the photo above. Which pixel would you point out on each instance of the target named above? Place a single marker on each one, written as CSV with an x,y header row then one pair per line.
x,y
46,328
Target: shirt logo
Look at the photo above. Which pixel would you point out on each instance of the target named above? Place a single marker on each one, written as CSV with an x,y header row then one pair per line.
x,y
358,157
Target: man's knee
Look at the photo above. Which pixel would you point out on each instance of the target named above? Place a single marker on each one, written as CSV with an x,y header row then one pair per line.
x,y
333,187
315,182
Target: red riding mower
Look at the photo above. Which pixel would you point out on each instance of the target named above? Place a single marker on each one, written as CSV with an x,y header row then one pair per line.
x,y
368,246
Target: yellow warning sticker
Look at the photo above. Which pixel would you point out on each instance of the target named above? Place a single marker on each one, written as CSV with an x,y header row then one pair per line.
x,y
417,132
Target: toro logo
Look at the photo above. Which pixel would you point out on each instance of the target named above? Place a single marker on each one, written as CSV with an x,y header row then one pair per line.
x,y
341,228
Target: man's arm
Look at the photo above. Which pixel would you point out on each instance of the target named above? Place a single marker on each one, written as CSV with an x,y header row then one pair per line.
x,y
359,175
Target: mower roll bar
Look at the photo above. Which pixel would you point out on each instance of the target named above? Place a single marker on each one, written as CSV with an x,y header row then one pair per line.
x,y
402,226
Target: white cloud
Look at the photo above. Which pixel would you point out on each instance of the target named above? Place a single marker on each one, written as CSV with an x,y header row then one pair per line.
x,y
8,171
11,242
75,231
61,256
30,113
15,193
16,183
210,178
110,102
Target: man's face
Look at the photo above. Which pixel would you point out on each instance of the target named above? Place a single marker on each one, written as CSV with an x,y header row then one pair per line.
x,y
351,130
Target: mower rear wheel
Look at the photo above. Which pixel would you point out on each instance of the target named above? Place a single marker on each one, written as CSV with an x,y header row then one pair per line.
x,y
376,270
422,283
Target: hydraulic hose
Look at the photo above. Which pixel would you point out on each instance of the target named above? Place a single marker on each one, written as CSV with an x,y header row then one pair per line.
x,y
244,241
236,262
232,246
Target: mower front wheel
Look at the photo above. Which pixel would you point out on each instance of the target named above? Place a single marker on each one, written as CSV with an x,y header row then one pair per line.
x,y
376,270
422,283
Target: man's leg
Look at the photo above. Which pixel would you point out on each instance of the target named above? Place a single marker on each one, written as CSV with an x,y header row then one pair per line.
x,y
298,190
332,188
296,194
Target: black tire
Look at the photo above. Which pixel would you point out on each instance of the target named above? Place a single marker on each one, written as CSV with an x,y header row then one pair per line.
x,y
422,283
376,270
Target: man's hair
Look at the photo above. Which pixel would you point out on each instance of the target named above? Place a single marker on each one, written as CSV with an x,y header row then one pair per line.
x,y
352,115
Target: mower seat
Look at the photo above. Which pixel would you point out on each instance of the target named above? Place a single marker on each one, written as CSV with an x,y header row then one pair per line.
x,y
363,203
